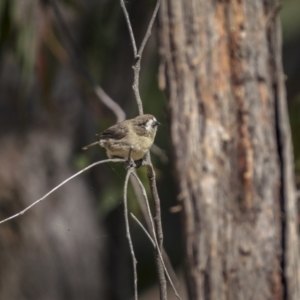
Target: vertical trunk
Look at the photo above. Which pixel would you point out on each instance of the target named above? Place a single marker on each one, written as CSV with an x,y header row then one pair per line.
x,y
221,65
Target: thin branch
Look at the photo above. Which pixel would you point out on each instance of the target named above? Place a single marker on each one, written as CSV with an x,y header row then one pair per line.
x,y
61,184
134,261
110,103
148,33
144,229
140,198
155,245
154,240
150,170
73,52
159,153
135,87
158,225
147,204
138,55
139,192
129,27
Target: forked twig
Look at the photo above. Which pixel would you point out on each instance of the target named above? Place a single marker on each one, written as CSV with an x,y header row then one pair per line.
x,y
158,226
150,169
138,57
134,261
143,206
155,245
138,53
154,240
61,184
144,229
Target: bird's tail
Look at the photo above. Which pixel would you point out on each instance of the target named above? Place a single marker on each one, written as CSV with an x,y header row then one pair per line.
x,y
90,145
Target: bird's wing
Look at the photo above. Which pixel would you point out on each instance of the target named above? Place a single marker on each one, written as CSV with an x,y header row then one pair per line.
x,y
116,132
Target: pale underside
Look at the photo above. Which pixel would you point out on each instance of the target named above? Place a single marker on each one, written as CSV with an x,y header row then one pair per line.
x,y
117,148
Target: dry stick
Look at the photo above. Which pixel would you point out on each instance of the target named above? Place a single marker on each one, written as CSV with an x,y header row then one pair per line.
x,y
138,57
153,232
156,245
144,229
148,33
129,27
158,226
139,195
134,261
111,104
61,184
160,154
150,170
143,206
73,52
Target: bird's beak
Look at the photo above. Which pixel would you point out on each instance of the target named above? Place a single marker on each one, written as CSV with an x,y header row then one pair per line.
x,y
156,123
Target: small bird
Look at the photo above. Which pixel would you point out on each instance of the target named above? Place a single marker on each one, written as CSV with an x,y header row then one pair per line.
x,y
136,134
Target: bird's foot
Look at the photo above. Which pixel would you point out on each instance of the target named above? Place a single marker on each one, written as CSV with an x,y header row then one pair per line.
x,y
130,164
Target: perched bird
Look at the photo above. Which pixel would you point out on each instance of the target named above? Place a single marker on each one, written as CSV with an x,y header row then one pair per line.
x,y
137,134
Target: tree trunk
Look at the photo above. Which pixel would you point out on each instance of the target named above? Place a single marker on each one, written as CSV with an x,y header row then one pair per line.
x,y
221,66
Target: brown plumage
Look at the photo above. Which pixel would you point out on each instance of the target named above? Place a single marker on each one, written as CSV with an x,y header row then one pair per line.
x,y
138,133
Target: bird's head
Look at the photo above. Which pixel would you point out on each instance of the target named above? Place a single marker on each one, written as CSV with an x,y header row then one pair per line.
x,y
145,125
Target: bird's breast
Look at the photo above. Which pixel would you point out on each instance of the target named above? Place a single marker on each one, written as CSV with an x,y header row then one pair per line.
x,y
120,148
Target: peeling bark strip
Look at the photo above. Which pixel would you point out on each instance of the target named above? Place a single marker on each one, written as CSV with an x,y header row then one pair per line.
x,y
221,67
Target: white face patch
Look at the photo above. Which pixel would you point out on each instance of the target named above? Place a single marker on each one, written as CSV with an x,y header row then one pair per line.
x,y
149,125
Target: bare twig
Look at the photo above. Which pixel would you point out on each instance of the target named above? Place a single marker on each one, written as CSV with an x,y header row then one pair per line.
x,y
144,229
155,245
148,33
158,226
61,184
138,54
140,199
136,79
109,102
147,204
150,170
73,52
152,178
129,27
134,261
138,189
157,248
138,57
159,153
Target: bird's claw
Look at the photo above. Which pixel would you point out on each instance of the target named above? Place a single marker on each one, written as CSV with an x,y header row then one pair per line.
x,y
130,164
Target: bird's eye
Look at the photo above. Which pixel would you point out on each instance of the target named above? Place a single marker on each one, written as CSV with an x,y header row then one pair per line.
x,y
143,124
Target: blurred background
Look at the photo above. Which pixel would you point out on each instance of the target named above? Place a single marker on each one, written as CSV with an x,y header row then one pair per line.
x,y
73,245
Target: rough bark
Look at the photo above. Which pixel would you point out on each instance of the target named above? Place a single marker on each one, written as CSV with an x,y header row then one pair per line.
x,y
221,66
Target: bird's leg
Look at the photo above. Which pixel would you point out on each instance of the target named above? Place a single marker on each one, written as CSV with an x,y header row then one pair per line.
x,y
130,161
